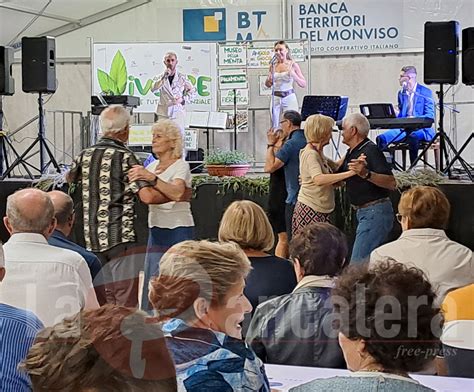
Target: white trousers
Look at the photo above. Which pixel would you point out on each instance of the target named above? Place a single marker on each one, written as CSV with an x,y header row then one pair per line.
x,y
280,105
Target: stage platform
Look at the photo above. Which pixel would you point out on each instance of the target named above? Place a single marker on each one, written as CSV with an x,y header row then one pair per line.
x,y
460,195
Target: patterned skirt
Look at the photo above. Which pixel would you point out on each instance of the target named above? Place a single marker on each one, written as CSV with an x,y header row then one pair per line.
x,y
304,215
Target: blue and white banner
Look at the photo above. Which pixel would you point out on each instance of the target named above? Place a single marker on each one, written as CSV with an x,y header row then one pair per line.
x,y
371,26
232,23
351,26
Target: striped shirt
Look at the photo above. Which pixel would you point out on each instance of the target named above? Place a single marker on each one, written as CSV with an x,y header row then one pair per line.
x,y
18,329
108,198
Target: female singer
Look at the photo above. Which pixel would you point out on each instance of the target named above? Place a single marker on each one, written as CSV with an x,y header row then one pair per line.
x,y
282,73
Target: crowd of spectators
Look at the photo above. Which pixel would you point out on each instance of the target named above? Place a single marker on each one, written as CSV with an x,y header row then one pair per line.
x,y
215,312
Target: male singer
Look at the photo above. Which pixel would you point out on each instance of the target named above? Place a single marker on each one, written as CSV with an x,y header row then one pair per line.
x,y
414,100
175,91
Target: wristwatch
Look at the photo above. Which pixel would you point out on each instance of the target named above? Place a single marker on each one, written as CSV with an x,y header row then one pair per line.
x,y
153,182
367,175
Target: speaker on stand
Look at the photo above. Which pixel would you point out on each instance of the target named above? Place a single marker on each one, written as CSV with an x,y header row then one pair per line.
x,y
468,56
467,79
38,69
7,87
7,84
441,46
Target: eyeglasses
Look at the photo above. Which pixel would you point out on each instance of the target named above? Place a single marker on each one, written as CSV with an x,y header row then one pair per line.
x,y
282,121
399,217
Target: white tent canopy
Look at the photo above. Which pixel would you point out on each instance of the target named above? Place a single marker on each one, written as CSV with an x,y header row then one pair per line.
x,y
31,18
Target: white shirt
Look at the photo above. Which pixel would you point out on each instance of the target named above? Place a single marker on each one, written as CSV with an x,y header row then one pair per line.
x,y
52,282
411,100
446,263
172,214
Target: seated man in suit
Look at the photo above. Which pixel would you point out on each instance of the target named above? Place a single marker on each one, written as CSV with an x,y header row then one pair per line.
x,y
414,100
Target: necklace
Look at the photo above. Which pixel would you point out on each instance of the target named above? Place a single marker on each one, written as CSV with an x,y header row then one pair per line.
x,y
379,370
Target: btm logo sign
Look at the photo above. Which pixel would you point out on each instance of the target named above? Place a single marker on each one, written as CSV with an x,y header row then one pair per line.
x,y
249,23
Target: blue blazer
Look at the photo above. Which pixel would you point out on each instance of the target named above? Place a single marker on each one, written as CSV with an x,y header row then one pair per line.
x,y
423,106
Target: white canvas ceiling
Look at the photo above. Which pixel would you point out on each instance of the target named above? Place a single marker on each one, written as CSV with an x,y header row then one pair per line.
x,y
30,18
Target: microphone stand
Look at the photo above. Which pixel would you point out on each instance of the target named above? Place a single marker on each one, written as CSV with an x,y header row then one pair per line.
x,y
272,63
235,119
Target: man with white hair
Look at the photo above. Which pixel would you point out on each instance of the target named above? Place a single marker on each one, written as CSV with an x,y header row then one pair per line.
x,y
108,201
175,91
368,191
51,282
18,328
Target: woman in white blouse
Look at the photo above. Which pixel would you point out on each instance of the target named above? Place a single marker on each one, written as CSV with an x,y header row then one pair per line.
x,y
171,222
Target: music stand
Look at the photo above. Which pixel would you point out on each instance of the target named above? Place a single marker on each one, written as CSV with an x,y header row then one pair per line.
x,y
333,106
208,121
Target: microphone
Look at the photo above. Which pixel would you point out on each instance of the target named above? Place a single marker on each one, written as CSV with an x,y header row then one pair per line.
x,y
274,59
404,87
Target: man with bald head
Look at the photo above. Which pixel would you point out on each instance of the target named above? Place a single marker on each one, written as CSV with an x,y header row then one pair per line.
x,y
51,282
65,218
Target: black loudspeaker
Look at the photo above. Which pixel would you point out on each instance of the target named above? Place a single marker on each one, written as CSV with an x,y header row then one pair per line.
x,y
468,56
7,84
441,52
38,62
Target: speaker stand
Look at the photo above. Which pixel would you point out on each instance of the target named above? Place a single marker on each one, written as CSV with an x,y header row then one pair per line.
x,y
445,145
43,149
457,157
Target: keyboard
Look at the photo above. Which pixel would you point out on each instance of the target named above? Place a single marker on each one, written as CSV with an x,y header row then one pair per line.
x,y
410,123
407,123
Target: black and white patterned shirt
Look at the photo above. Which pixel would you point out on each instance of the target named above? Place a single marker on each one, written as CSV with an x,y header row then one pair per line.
x,y
108,198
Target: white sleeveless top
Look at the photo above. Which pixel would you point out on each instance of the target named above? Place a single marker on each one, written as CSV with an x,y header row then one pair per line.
x,y
282,81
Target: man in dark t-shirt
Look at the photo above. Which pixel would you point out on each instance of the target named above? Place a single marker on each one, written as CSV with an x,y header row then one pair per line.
x,y
368,191
287,157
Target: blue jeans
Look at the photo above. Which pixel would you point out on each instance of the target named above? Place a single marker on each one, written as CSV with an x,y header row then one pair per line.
x,y
398,135
374,224
159,241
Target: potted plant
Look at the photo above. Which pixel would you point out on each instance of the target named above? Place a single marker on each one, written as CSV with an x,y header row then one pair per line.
x,y
227,163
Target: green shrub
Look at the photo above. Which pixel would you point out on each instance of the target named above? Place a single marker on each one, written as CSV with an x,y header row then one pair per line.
x,y
218,157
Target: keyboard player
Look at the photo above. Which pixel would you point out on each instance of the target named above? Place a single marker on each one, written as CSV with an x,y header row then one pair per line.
x,y
414,100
